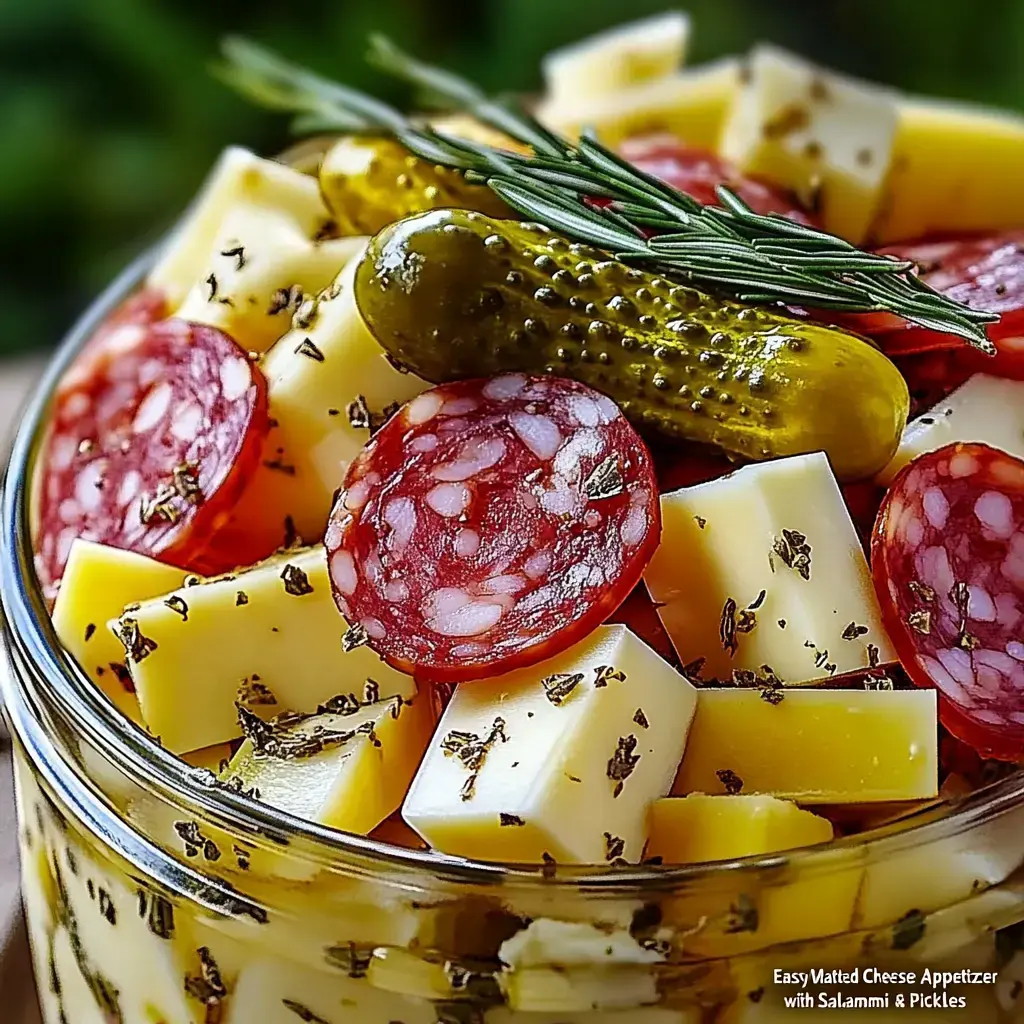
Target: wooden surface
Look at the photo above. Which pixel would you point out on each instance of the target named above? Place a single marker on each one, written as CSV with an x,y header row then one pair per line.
x,y
17,993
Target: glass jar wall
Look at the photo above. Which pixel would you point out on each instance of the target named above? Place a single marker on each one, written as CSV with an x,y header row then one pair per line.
x,y
154,896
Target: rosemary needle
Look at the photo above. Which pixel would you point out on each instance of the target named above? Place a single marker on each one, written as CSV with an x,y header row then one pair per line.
x,y
729,250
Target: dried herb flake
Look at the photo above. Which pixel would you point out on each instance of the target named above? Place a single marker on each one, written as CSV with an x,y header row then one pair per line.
x,y
730,780
559,686
605,481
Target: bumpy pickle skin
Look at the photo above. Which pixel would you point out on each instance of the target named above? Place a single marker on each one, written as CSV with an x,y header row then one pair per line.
x,y
452,294
368,182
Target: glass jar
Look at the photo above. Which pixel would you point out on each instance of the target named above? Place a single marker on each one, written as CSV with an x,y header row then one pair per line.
x,y
155,896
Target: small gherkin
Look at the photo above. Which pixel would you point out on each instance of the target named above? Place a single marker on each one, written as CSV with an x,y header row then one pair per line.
x,y
368,182
452,294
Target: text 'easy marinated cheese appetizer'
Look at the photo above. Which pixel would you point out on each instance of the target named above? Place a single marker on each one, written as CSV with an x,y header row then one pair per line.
x,y
345,505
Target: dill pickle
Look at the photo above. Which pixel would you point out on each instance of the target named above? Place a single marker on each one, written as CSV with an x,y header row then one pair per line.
x,y
368,182
452,294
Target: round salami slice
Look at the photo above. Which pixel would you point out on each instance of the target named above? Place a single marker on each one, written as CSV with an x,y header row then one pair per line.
x,y
698,173
947,557
149,449
983,272
491,524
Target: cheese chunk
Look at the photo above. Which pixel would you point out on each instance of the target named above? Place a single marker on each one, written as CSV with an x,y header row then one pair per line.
x,y
325,377
985,409
214,759
357,778
815,746
561,759
281,991
827,137
774,544
276,624
699,828
641,51
955,169
262,268
98,582
239,177
691,104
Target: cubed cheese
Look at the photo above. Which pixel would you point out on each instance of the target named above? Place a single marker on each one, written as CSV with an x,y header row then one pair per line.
x,y
641,51
985,409
349,771
558,760
762,571
692,105
926,877
214,759
827,137
98,582
192,653
327,381
281,991
700,828
239,177
815,746
955,169
262,269
562,990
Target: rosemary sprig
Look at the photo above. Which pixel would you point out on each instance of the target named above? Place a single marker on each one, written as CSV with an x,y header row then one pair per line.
x,y
730,250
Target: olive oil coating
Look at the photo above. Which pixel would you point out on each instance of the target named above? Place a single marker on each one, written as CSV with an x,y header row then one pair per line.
x,y
368,182
451,294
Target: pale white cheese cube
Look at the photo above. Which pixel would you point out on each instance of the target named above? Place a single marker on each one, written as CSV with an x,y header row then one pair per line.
x,y
560,760
262,267
641,51
762,571
826,136
239,176
328,380
573,944
985,409
194,653
279,991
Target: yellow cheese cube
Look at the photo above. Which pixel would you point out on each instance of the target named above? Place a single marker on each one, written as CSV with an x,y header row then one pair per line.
x,y
699,828
764,568
322,401
239,177
955,168
815,746
692,105
98,582
601,65
349,771
827,137
262,268
558,760
985,409
191,654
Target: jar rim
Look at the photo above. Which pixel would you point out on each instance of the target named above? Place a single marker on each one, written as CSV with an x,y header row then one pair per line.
x,y
29,630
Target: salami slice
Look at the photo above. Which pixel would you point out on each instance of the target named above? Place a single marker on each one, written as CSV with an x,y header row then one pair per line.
x,y
149,448
491,524
983,272
947,557
698,173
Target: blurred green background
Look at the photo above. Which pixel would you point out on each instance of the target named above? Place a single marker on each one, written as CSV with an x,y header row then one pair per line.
x,y
109,117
